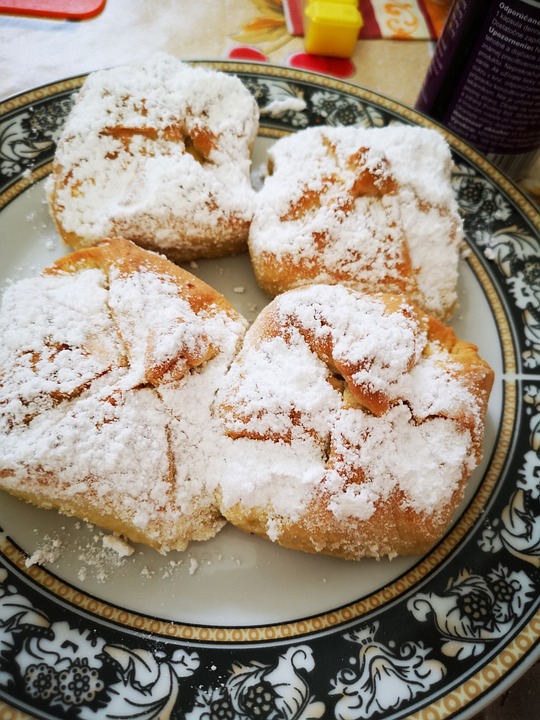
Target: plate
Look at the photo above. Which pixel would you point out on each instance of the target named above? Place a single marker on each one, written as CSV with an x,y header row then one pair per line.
x,y
236,628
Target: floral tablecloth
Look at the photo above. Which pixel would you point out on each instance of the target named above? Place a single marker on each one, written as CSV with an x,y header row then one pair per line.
x,y
128,30
415,20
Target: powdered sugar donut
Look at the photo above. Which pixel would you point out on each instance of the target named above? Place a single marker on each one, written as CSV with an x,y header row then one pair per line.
x,y
109,362
158,153
354,423
368,208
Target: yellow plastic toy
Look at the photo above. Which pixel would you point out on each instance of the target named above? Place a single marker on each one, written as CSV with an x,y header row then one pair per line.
x,y
331,28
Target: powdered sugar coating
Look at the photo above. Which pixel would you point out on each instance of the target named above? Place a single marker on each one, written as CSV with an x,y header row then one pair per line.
x,y
424,461
90,403
160,325
360,332
371,208
353,403
158,153
57,337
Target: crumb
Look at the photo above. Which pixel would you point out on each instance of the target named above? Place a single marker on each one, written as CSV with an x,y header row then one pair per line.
x,y
277,108
193,566
122,548
49,552
193,265
167,572
106,559
240,289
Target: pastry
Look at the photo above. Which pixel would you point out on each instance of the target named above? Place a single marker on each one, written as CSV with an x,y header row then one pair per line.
x,y
109,361
354,421
158,153
369,208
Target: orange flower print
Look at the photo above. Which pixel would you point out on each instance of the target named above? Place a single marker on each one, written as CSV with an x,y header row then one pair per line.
x,y
402,20
268,30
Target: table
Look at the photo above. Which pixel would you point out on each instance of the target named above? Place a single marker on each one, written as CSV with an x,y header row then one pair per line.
x,y
37,51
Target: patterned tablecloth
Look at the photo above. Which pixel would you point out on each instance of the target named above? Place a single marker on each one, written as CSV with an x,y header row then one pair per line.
x,y
416,20
391,56
238,29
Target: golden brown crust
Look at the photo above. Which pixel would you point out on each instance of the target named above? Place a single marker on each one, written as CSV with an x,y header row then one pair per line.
x,y
158,153
127,258
394,526
356,207
228,240
392,531
97,423
91,509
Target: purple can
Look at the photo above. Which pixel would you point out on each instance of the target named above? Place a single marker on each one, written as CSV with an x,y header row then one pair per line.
x,y
483,83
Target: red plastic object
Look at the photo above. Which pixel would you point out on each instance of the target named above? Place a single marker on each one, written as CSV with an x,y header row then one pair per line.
x,y
62,9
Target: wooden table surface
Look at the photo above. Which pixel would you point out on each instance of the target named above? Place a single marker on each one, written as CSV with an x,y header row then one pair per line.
x,y
34,52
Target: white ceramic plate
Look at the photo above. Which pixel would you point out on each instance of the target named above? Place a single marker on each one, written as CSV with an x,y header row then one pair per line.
x,y
237,628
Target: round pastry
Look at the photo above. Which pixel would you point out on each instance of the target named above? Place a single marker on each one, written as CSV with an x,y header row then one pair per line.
x,y
369,208
109,362
158,153
354,423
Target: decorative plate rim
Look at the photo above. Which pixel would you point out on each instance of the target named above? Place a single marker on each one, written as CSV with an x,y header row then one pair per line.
x,y
352,621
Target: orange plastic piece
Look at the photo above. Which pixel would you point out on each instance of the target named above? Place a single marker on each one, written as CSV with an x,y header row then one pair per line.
x,y
61,9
